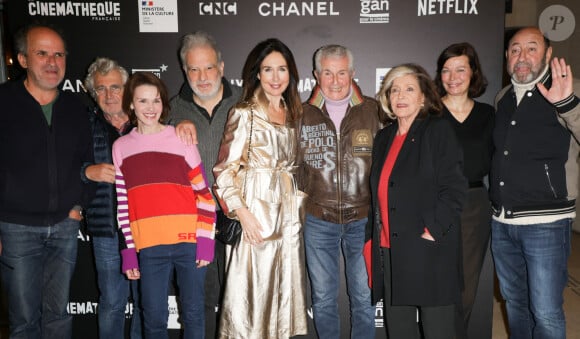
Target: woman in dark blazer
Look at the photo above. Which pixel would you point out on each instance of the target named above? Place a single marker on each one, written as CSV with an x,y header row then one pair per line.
x,y
417,189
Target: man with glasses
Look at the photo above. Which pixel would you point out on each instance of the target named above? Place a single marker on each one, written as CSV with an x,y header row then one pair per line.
x,y
105,81
44,141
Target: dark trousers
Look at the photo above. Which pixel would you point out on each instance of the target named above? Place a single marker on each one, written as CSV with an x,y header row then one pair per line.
x,y
409,321
475,234
214,286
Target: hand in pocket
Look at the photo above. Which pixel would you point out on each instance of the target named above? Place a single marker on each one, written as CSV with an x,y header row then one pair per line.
x,y
426,235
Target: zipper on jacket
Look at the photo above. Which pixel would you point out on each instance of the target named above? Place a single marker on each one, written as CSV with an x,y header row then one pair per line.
x,y
547,169
338,177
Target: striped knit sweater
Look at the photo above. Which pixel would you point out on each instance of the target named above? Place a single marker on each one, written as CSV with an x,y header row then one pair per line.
x,y
162,195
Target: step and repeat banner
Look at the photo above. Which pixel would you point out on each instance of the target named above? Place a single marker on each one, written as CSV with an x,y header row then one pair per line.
x,y
143,35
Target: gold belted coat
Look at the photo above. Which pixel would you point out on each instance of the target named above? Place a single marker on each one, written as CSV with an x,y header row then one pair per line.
x,y
265,292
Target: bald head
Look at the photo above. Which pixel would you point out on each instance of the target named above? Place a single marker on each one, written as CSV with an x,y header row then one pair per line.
x,y
42,52
527,55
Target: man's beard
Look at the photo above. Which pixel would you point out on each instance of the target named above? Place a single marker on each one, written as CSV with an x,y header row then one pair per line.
x,y
208,95
533,75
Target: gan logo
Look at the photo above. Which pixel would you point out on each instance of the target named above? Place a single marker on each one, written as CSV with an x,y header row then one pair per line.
x,y
97,11
374,11
292,8
218,8
156,71
434,7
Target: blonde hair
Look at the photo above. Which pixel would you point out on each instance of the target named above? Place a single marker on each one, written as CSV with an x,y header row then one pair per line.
x,y
432,103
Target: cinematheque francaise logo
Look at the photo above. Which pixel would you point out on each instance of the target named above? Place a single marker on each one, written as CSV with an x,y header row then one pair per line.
x,y
95,10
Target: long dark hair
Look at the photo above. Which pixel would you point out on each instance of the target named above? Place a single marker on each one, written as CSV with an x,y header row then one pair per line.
x,y
252,69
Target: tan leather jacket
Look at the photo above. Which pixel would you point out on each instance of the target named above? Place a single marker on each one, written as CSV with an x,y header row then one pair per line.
x,y
334,168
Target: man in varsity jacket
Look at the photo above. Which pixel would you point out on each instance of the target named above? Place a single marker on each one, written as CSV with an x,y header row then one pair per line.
x,y
534,185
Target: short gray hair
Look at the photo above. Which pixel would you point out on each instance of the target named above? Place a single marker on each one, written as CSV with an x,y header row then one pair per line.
x,y
336,51
102,66
197,39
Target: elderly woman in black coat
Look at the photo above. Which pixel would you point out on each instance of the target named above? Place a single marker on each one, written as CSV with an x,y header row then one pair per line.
x,y
417,189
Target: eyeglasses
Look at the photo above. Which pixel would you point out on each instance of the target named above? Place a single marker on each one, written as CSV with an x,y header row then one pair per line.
x,y
113,89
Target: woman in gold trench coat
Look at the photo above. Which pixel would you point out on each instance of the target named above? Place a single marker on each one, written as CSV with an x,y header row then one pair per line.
x,y
265,289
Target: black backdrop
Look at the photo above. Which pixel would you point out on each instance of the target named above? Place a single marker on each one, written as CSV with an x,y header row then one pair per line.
x,y
144,35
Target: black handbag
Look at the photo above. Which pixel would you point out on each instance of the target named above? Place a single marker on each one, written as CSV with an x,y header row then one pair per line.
x,y
229,230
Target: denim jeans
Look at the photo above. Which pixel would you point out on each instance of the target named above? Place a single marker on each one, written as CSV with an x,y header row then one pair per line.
x,y
36,265
157,264
114,291
323,241
531,264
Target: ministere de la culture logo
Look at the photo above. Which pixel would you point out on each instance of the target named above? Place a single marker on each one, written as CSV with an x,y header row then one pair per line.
x,y
298,8
96,10
438,7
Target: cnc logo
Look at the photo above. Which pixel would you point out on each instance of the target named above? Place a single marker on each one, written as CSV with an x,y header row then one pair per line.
x,y
218,8
156,71
95,10
374,12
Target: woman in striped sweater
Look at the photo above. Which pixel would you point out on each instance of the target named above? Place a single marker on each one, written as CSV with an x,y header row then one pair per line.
x,y
165,210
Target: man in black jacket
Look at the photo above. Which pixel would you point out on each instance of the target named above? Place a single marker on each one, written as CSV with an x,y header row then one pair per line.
x,y
105,81
534,185
44,141
200,111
